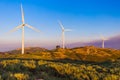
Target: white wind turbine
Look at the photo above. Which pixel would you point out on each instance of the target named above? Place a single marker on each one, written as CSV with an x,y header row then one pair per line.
x,y
63,33
22,27
103,41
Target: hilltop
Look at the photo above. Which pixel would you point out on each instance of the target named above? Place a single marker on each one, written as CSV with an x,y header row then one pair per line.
x,y
87,53
27,50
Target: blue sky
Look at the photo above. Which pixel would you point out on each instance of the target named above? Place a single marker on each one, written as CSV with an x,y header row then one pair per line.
x,y
87,18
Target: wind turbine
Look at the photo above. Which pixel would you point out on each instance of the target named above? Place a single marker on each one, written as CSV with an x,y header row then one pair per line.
x,y
63,33
103,41
22,27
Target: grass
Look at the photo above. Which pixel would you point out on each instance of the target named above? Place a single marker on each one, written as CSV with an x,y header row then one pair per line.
x,y
61,64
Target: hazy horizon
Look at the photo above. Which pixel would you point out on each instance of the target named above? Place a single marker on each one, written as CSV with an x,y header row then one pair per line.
x,y
110,43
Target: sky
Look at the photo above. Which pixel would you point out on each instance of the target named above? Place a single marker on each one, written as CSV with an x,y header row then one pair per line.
x,y
88,19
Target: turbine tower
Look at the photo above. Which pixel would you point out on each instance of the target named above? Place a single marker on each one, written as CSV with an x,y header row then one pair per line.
x,y
22,27
103,41
63,33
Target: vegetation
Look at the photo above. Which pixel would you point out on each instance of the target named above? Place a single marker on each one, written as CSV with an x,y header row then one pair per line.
x,y
85,63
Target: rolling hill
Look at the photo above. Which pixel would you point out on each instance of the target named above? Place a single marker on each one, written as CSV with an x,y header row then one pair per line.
x,y
80,63
87,53
28,50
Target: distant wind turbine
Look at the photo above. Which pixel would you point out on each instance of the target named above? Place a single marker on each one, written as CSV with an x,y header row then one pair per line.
x,y
63,33
22,27
103,41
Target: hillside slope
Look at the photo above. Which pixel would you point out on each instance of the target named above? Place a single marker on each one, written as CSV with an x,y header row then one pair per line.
x,y
80,63
27,50
88,53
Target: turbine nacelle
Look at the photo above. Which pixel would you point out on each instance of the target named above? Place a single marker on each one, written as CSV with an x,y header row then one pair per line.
x,y
103,38
63,33
62,27
103,41
23,25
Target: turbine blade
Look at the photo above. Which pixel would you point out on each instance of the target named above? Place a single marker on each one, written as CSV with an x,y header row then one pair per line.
x,y
103,38
61,25
32,28
68,29
106,39
15,29
22,12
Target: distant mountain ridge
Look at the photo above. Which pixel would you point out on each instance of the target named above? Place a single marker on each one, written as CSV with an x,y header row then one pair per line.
x,y
113,42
